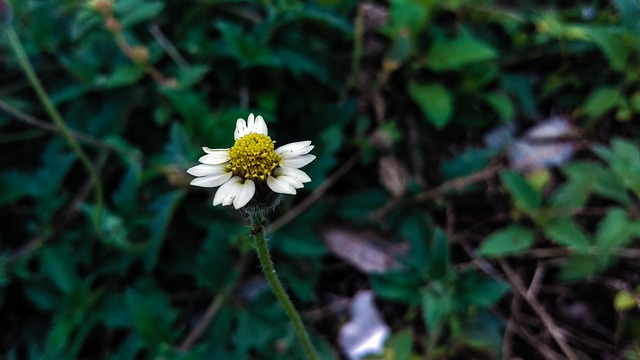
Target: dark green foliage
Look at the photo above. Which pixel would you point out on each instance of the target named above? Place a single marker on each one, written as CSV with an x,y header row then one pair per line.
x,y
415,84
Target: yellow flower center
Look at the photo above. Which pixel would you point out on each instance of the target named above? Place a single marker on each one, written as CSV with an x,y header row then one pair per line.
x,y
253,156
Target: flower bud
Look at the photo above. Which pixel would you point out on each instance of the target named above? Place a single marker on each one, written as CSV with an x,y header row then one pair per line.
x,y
140,55
112,24
103,7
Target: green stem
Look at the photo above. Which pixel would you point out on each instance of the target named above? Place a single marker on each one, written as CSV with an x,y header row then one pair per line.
x,y
260,242
14,42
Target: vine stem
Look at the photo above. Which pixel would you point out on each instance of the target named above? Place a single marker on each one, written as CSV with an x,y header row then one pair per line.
x,y
23,60
260,243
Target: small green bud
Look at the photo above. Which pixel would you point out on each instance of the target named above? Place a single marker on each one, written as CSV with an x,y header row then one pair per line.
x,y
6,13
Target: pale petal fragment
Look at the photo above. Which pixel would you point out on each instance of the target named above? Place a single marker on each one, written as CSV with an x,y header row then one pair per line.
x,y
261,126
206,170
298,161
245,195
211,181
280,186
215,158
294,149
297,174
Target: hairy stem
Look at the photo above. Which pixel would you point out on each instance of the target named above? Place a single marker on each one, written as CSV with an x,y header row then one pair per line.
x,y
260,243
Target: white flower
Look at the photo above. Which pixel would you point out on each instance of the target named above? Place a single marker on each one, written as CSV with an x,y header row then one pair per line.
x,y
252,162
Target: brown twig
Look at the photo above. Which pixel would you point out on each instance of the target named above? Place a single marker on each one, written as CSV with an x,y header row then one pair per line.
x,y
555,331
33,121
217,301
316,194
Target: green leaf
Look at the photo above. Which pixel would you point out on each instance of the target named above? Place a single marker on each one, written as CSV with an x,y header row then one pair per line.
x,y
73,314
612,43
438,263
624,160
435,101
481,290
417,230
524,195
614,230
214,263
123,75
508,241
58,263
144,11
408,17
190,76
501,104
437,305
301,275
126,195
299,241
579,267
358,205
397,285
624,301
151,313
192,106
401,344
466,162
162,208
452,54
565,232
601,101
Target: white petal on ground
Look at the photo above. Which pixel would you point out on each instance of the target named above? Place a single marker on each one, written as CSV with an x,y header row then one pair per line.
x,y
280,186
215,157
206,170
294,149
211,180
297,174
298,161
241,129
366,332
227,192
245,195
543,146
261,126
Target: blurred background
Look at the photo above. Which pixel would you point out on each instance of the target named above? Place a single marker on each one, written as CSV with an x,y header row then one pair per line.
x,y
475,193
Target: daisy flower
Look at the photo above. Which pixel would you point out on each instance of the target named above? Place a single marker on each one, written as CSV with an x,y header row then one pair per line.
x,y
252,166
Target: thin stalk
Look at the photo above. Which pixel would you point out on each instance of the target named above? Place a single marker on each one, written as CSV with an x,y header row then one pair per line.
x,y
16,45
260,242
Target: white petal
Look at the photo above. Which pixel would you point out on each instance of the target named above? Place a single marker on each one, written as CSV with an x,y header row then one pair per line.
x,y
211,180
298,161
206,170
294,149
261,126
241,129
245,195
251,124
297,174
209,150
291,181
215,157
227,189
280,186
